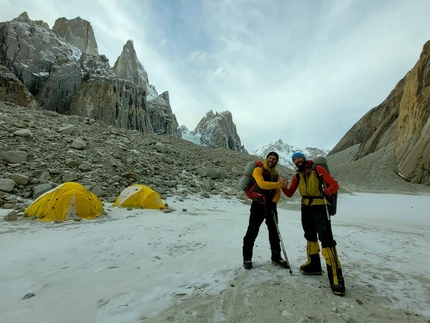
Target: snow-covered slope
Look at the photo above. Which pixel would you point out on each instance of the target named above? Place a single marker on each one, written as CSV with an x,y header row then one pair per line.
x,y
286,151
189,135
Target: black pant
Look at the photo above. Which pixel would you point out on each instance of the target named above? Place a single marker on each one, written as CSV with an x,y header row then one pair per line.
x,y
259,213
316,225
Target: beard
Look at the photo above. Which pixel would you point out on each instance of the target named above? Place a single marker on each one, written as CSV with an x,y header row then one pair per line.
x,y
300,165
271,165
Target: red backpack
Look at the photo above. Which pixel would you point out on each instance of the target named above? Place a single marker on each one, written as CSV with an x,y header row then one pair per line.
x,y
247,182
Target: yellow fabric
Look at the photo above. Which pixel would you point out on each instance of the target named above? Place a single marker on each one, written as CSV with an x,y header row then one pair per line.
x,y
313,247
308,249
258,176
330,255
277,196
140,196
65,202
272,171
310,187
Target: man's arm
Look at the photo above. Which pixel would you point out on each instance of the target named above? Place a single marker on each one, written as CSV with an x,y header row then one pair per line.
x,y
289,192
332,184
258,176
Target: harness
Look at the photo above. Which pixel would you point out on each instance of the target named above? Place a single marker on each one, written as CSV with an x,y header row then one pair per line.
x,y
311,185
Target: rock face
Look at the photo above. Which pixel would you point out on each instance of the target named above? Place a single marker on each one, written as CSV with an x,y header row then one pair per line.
x,y
29,49
128,67
400,122
413,133
159,112
377,128
163,120
61,68
77,32
217,130
114,102
12,90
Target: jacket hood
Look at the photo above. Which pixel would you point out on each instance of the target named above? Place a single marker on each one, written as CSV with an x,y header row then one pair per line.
x,y
271,170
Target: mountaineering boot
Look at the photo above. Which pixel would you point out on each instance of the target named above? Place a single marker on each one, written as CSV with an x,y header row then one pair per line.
x,y
337,282
334,271
277,260
247,255
313,265
247,263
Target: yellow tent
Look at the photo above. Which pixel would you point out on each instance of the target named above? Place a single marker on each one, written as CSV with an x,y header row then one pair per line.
x,y
66,202
139,196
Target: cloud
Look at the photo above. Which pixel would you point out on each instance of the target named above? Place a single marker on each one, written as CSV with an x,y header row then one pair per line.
x,y
198,57
284,69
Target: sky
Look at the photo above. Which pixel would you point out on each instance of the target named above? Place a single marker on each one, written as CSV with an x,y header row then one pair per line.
x,y
131,265
301,71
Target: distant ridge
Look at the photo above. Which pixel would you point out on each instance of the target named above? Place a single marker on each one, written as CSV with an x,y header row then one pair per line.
x,y
286,151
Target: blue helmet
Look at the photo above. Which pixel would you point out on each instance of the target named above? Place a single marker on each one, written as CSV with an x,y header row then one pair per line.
x,y
298,154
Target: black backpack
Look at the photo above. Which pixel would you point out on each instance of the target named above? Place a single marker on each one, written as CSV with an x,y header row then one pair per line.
x,y
332,200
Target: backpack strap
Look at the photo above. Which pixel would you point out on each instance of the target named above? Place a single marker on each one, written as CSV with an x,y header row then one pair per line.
x,y
253,191
320,186
321,180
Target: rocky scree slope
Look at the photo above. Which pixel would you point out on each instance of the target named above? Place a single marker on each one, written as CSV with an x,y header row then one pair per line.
x,y
40,149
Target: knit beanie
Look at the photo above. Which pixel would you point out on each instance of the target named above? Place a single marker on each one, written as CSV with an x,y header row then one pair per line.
x,y
298,154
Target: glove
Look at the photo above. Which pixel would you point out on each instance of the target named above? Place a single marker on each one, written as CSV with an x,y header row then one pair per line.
x,y
327,193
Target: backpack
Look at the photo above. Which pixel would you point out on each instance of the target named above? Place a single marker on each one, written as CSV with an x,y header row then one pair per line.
x,y
332,200
247,182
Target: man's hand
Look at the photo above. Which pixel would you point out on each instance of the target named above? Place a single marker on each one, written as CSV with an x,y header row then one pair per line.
x,y
284,183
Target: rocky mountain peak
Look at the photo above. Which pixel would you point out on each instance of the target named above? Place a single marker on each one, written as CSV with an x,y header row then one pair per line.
x,y
217,130
286,151
23,17
26,19
128,67
77,32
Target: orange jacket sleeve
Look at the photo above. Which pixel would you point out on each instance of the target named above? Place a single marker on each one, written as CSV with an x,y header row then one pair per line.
x,y
293,187
333,186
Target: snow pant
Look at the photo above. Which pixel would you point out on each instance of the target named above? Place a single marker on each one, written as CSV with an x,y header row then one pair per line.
x,y
259,213
316,225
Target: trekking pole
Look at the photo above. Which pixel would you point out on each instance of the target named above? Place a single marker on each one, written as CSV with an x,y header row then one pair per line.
x,y
326,209
325,200
282,242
